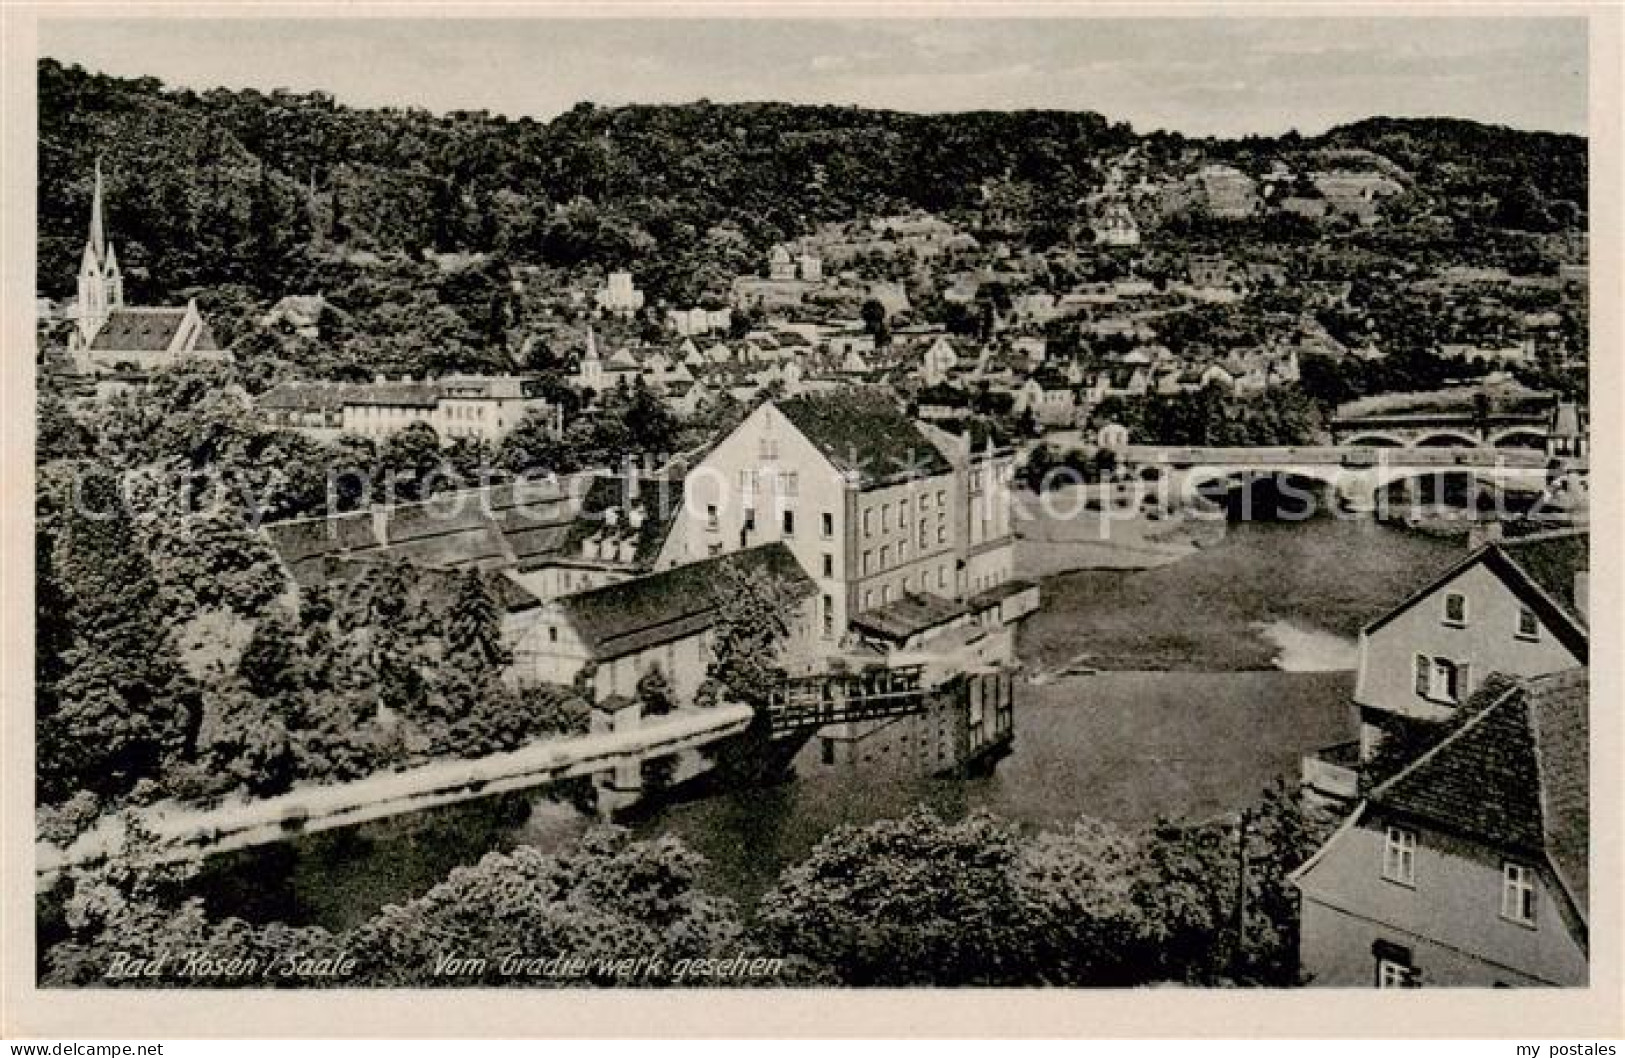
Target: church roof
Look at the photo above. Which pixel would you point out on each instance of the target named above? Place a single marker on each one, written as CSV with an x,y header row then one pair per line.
x,y
147,330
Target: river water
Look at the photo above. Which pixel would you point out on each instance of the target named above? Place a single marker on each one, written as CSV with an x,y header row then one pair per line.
x,y
1209,678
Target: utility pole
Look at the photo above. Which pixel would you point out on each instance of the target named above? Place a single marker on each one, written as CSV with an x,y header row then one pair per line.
x,y
1241,893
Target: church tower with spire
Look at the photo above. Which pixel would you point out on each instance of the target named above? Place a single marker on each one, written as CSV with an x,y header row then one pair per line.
x,y
101,285
591,372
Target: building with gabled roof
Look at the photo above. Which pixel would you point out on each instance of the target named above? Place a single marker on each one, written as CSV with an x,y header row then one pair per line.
x,y
516,524
110,336
872,507
1470,866
614,635
1513,606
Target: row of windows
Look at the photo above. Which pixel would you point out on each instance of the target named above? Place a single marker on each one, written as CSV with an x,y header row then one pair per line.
x,y
1517,879
885,593
787,522
787,482
884,512
1456,616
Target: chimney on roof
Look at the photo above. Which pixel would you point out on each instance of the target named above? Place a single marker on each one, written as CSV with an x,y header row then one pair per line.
x,y
1582,593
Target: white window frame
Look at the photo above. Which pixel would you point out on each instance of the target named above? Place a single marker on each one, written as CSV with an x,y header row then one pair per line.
x,y
1456,622
1518,893
1399,856
1440,672
1532,636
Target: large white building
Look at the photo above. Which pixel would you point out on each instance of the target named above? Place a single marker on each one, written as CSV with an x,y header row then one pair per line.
x,y
482,407
876,510
619,295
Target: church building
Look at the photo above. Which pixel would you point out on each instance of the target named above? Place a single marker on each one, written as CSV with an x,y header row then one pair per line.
x,y
110,336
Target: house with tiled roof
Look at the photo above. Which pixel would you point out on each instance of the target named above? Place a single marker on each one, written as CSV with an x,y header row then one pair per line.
x,y
1051,396
517,525
1470,866
618,531
112,337
613,635
1516,607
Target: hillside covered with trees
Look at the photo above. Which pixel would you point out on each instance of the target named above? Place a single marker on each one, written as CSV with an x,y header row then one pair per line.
x,y
242,196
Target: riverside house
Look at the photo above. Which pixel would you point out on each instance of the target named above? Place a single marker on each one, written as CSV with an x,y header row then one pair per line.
x,y
873,508
1514,606
1470,866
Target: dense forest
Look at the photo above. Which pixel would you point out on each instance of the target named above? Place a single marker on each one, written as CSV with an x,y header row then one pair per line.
x,y
253,195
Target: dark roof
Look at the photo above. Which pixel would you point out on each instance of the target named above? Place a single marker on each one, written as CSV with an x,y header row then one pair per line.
x,y
908,616
330,396
305,396
660,497
395,394
866,433
513,596
145,330
517,523
1551,560
1559,711
1539,569
635,614
303,545
997,594
614,703
1515,775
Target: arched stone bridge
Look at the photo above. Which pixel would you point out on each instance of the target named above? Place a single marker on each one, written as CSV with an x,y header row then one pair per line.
x,y
1509,430
1355,474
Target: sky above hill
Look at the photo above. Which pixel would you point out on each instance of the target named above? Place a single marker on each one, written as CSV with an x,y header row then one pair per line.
x,y
1197,75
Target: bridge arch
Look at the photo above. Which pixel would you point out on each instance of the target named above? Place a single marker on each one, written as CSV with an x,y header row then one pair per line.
x,y
1519,437
1375,439
1326,474
1285,497
1447,439
1440,483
